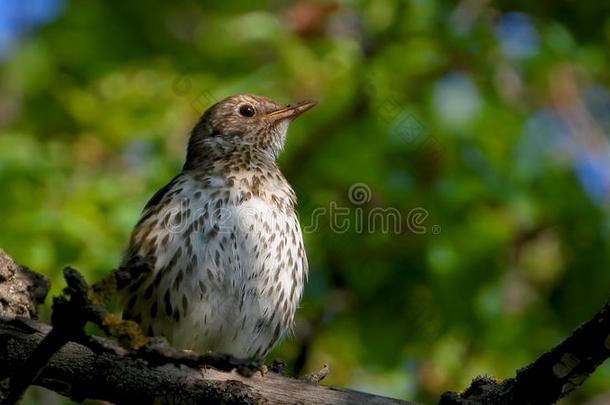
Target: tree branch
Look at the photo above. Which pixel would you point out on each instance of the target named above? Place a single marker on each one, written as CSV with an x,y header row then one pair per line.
x,y
63,359
104,370
82,367
552,376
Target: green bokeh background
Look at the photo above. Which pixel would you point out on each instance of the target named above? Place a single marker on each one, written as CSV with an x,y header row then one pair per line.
x,y
484,150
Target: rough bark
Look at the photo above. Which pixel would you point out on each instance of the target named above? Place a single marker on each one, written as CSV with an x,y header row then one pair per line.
x,y
21,289
103,370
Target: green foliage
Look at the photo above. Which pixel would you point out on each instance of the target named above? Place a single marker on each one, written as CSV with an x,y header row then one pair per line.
x,y
419,100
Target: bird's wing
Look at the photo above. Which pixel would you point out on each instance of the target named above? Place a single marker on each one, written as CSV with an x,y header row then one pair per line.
x,y
157,198
140,259
170,239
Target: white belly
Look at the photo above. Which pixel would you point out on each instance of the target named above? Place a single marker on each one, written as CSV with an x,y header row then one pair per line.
x,y
231,276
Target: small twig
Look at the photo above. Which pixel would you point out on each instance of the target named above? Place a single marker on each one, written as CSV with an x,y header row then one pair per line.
x,y
317,376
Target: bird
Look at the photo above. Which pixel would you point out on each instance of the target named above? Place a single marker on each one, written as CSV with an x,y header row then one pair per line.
x,y
217,259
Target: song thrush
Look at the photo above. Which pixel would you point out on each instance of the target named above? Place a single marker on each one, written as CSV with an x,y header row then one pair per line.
x,y
221,242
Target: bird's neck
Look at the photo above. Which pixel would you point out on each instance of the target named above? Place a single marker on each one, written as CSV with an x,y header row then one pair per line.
x,y
222,155
248,169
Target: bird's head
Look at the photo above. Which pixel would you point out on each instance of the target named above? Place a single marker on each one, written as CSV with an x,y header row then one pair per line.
x,y
244,120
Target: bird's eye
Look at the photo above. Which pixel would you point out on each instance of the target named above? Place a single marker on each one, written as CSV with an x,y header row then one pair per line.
x,y
246,110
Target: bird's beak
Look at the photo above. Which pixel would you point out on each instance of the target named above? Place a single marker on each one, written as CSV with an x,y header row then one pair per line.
x,y
291,111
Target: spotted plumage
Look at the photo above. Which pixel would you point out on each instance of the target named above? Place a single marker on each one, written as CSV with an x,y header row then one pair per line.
x,y
221,244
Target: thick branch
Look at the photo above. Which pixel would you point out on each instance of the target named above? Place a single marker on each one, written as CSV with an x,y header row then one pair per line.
x,y
80,367
103,370
551,376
